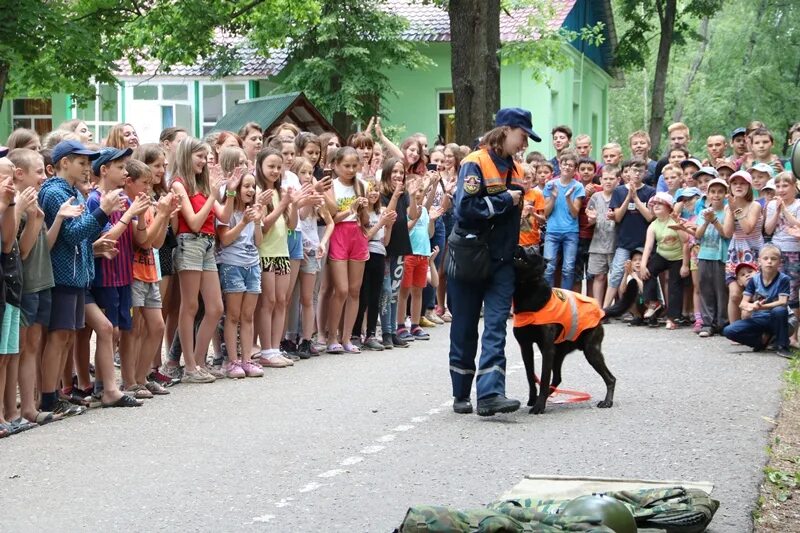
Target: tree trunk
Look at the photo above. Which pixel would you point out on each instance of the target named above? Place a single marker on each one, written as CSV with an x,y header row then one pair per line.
x,y
677,113
3,81
666,14
475,65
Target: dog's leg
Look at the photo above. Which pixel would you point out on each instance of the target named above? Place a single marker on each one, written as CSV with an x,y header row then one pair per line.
x,y
594,355
561,354
525,341
547,347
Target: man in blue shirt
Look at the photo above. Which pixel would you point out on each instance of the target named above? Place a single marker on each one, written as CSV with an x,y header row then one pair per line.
x,y
765,316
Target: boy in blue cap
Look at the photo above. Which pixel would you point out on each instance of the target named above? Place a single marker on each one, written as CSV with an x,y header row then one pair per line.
x,y
73,270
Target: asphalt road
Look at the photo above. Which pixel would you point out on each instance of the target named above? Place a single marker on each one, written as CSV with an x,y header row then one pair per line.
x,y
348,443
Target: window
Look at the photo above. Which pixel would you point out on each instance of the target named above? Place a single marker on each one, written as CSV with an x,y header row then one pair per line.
x,y
101,113
447,116
32,113
174,92
218,99
145,92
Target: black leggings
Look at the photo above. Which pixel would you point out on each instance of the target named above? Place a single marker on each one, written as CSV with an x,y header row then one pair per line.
x,y
656,266
369,300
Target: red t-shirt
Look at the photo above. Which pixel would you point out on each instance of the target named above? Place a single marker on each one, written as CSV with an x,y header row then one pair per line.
x,y
198,200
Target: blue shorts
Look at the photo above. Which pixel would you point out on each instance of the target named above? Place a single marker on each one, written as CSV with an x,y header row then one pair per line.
x,y
235,279
9,335
35,308
68,308
295,245
116,303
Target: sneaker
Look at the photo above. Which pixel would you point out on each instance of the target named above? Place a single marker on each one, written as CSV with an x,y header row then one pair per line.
x,y
233,370
155,388
198,376
372,344
398,342
157,377
64,409
252,370
652,310
303,350
636,321
288,346
446,316
433,317
292,357
404,335
698,326
426,323
215,371
705,332
387,341
419,334
786,353
175,373
117,360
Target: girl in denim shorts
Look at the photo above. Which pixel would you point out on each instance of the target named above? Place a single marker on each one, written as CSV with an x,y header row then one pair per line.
x,y
274,253
194,256
240,278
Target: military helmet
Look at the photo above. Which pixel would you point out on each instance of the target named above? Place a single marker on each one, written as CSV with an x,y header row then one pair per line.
x,y
613,513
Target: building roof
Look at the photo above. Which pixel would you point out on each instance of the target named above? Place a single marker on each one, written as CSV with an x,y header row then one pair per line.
x,y
269,111
428,22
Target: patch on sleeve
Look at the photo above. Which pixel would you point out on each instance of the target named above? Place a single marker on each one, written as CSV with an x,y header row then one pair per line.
x,y
472,184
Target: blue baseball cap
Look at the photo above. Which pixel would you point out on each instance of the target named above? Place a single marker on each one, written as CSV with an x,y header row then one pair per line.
x,y
65,148
689,192
3,151
516,117
737,132
107,155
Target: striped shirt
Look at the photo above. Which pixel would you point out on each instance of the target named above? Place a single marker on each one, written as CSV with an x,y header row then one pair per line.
x,y
116,272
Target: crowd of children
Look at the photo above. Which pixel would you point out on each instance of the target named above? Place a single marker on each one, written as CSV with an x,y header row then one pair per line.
x,y
273,247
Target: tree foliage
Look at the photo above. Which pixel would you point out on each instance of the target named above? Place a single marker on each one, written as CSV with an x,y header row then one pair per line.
x,y
341,62
750,70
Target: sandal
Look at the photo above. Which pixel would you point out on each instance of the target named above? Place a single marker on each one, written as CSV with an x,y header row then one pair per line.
x,y
335,348
44,417
124,401
139,392
351,348
20,424
671,325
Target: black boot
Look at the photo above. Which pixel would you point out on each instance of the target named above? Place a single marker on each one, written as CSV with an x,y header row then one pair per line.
x,y
462,406
496,404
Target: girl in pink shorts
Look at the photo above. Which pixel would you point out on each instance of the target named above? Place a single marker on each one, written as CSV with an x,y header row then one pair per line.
x,y
348,247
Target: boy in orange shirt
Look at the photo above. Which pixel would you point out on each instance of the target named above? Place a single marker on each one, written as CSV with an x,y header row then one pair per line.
x,y
532,212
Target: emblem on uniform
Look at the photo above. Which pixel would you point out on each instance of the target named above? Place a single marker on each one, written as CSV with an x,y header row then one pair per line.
x,y
560,295
472,184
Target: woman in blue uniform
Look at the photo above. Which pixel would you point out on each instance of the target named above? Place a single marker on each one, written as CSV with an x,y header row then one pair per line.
x,y
488,199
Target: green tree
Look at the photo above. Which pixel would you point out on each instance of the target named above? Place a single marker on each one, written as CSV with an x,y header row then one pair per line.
x,y
341,61
670,23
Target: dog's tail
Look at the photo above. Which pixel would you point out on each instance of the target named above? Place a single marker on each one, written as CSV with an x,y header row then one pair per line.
x,y
622,305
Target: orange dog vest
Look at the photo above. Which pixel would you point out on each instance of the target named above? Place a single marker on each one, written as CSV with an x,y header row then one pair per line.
x,y
574,312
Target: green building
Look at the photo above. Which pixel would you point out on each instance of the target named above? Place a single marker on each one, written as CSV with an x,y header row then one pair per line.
x,y
190,97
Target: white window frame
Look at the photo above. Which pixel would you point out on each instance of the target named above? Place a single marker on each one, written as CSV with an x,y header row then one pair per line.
x,y
224,83
96,124
440,112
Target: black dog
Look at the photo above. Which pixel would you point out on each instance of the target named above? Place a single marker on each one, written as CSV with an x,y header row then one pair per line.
x,y
532,294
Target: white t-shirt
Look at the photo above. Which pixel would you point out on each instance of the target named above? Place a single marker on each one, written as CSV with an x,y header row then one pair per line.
x,y
345,195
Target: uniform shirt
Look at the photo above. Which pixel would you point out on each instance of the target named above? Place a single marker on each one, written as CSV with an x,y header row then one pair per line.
x,y
116,272
759,292
632,229
477,210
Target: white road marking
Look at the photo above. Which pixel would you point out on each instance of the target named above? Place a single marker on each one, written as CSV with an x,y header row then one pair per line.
x,y
418,419
435,410
386,438
403,427
332,473
351,460
284,502
447,403
311,486
263,518
373,449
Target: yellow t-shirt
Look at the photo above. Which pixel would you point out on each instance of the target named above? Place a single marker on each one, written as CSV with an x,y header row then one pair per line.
x,y
275,242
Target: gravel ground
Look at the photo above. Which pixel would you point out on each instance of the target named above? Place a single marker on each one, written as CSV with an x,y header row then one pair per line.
x,y
348,443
